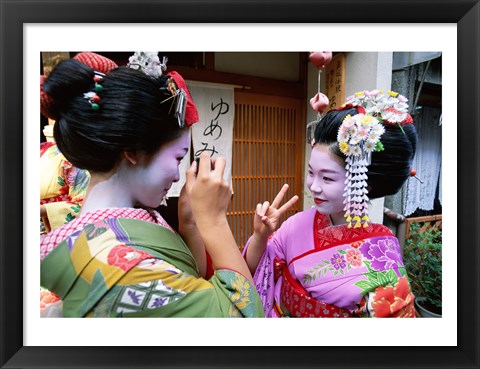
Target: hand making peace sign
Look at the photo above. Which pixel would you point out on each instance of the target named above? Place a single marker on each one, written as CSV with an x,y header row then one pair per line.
x,y
267,217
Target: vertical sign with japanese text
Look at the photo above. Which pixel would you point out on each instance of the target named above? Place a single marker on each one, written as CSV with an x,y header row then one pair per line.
x,y
214,132
335,81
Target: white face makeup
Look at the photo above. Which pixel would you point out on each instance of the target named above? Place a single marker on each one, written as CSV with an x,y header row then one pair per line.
x,y
151,178
326,181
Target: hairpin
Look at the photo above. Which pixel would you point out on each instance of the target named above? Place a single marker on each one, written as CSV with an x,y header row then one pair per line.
x,y
92,96
358,136
413,173
180,100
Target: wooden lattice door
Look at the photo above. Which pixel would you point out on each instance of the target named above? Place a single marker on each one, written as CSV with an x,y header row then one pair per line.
x,y
268,151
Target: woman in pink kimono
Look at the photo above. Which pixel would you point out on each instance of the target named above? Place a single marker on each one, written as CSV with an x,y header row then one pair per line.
x,y
330,261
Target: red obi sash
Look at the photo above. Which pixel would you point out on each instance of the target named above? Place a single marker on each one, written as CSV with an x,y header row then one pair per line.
x,y
297,302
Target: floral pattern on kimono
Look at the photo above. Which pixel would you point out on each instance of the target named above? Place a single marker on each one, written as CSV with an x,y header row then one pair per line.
x,y
356,269
62,187
119,267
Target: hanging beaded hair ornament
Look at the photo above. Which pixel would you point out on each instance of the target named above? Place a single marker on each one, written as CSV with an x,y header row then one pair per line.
x,y
149,63
92,96
358,137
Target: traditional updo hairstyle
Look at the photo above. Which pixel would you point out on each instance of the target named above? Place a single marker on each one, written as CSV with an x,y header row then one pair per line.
x,y
390,168
131,117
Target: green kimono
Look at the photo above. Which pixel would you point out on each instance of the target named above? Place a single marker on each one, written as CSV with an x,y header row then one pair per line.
x,y
131,268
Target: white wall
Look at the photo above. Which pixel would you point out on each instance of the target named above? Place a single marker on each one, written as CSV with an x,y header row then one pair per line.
x,y
368,71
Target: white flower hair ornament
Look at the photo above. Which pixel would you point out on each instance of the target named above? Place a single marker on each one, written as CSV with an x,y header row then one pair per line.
x,y
358,137
390,107
148,62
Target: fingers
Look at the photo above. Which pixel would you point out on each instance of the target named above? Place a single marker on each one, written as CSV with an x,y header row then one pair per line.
x,y
260,212
183,194
219,167
211,166
190,176
288,204
262,209
204,165
278,199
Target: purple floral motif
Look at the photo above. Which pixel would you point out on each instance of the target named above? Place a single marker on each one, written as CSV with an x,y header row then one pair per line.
x,y
159,301
134,297
338,261
264,286
384,255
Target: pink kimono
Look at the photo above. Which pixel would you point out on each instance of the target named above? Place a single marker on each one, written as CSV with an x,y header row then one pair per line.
x,y
311,268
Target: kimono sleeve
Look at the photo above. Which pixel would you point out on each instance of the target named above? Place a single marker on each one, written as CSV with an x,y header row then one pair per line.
x,y
243,298
264,277
59,213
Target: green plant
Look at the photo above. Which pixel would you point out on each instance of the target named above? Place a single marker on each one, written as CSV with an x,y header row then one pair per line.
x,y
423,261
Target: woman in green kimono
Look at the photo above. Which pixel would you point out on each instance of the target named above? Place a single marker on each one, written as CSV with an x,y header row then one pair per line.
x,y
119,258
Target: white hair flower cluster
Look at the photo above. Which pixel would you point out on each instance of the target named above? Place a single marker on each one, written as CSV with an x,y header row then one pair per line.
x,y
148,62
390,106
360,133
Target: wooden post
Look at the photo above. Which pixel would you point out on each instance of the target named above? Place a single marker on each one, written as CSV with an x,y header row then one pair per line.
x,y
335,81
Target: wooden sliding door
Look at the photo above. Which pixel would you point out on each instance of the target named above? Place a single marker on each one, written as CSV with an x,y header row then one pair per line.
x,y
268,151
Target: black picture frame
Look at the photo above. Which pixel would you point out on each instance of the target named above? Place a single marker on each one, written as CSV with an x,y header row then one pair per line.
x,y
14,14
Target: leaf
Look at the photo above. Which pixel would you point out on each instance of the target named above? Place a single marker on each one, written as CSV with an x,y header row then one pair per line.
x,y
382,279
307,279
100,230
372,278
392,276
61,182
423,260
365,286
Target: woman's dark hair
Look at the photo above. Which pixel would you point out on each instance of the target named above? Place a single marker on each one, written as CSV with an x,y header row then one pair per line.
x,y
131,117
390,168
